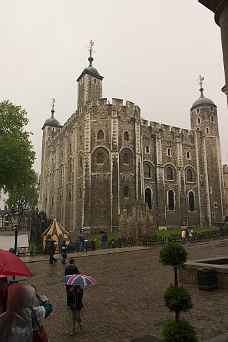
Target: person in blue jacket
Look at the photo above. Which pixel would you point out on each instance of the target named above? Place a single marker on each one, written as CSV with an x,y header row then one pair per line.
x,y
16,324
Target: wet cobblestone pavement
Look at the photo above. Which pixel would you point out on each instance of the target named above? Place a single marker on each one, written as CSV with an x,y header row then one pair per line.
x,y
126,304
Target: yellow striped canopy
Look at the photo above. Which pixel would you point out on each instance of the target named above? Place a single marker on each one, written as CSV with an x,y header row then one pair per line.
x,y
56,232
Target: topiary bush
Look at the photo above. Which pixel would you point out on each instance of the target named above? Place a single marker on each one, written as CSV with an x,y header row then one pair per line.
x,y
177,298
178,331
173,255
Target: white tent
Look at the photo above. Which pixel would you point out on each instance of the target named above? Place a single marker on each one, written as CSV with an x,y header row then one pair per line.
x,y
7,242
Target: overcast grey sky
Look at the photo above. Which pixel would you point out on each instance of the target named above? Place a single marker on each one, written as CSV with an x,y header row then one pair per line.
x,y
150,52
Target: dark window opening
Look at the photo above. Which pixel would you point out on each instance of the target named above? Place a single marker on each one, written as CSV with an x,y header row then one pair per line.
x,y
191,201
126,136
100,135
148,199
170,200
126,191
169,173
100,158
189,175
147,173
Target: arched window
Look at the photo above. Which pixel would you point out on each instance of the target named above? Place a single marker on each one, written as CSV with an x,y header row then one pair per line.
x,y
189,175
100,158
126,136
170,200
126,194
100,135
148,198
147,171
191,201
212,119
169,173
147,149
126,158
80,161
188,155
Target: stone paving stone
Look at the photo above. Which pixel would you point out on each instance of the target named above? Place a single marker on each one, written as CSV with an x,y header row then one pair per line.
x,y
127,304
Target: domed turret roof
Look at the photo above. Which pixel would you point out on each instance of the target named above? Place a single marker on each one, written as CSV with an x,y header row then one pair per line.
x,y
52,122
202,101
93,70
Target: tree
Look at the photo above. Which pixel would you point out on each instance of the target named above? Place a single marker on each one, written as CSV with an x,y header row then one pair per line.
x,y
25,195
16,152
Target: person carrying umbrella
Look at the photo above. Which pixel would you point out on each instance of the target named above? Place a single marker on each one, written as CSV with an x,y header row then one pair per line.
x,y
76,295
75,302
69,270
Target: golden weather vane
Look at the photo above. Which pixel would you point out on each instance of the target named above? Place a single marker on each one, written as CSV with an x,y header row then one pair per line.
x,y
200,79
90,47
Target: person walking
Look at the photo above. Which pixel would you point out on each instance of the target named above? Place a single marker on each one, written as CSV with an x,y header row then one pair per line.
x,y
64,252
82,242
75,302
183,234
191,235
69,270
52,249
104,240
16,324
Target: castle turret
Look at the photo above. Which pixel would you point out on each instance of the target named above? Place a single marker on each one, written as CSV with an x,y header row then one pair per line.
x,y
89,83
50,127
204,123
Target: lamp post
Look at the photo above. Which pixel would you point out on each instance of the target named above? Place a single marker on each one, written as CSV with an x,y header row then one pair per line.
x,y
15,221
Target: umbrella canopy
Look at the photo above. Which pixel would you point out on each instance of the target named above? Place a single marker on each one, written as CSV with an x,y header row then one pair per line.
x,y
11,265
78,279
56,232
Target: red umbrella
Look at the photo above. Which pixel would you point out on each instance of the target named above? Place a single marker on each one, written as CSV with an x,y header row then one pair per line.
x,y
11,265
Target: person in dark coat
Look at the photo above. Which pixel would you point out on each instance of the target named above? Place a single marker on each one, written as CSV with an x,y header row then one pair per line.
x,y
51,253
64,252
75,301
69,270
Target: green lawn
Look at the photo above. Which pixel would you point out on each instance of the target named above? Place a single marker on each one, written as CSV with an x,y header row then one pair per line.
x,y
163,233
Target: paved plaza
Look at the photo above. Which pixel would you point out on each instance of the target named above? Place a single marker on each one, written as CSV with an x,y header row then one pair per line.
x,y
126,304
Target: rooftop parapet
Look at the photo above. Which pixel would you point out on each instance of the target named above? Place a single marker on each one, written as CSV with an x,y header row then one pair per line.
x,y
102,102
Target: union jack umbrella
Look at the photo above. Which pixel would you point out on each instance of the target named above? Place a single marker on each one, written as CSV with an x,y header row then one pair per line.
x,y
78,279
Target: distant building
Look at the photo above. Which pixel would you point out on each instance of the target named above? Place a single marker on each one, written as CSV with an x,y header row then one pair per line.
x,y
106,160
